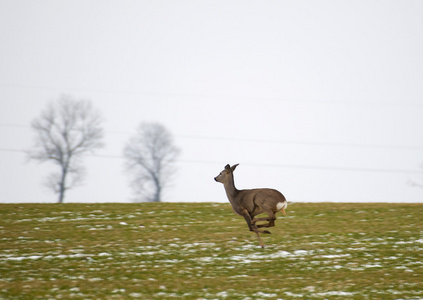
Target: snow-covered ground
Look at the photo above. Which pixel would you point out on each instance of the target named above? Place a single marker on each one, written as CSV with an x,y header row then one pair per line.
x,y
296,261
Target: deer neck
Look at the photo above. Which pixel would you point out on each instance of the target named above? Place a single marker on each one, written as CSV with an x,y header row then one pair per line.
x,y
231,190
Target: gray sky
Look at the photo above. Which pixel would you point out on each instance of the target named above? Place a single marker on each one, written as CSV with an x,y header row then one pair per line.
x,y
322,100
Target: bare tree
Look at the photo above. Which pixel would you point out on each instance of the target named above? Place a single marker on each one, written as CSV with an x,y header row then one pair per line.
x,y
150,157
66,130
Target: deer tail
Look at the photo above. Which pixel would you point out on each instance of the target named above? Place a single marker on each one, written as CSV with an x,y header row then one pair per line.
x,y
281,206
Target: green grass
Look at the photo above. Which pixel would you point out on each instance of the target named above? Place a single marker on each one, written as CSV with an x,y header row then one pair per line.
x,y
205,251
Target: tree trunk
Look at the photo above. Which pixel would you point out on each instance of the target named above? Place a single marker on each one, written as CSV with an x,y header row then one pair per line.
x,y
62,184
157,195
61,194
158,187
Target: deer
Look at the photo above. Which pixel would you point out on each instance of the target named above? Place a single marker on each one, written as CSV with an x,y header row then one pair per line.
x,y
252,202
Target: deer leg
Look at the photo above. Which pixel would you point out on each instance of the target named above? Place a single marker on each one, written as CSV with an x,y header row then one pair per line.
x,y
255,220
270,224
271,219
247,218
252,226
260,241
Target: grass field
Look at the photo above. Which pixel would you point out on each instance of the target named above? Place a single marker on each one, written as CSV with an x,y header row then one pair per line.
x,y
204,251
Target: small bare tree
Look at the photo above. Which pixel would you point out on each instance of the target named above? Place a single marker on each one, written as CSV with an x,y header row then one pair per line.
x,y
66,130
150,157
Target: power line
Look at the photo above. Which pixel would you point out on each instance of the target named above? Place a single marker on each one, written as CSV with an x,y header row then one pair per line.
x,y
286,166
253,140
15,125
12,150
257,140
309,167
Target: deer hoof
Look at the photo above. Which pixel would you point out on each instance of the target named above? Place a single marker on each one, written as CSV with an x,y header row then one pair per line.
x,y
267,232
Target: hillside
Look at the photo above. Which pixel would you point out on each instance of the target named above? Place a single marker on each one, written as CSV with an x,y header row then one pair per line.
x,y
204,251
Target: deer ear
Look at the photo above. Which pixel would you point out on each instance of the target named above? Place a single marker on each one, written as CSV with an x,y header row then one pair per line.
x,y
228,167
234,167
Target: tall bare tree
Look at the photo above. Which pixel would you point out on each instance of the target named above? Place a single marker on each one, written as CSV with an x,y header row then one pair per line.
x,y
150,155
66,130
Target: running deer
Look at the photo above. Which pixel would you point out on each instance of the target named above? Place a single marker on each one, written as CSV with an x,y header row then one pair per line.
x,y
250,203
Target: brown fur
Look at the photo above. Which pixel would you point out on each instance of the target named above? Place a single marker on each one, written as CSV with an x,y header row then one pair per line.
x,y
250,203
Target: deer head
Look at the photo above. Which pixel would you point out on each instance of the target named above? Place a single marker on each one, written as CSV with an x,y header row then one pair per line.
x,y
225,174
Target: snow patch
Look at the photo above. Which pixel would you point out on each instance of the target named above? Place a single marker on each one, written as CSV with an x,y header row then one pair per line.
x,y
372,266
294,295
261,294
223,294
335,256
335,293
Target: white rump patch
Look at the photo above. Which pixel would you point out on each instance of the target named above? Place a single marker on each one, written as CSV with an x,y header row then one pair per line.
x,y
281,205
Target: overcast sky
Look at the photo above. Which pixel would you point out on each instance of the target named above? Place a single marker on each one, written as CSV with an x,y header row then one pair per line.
x,y
322,100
